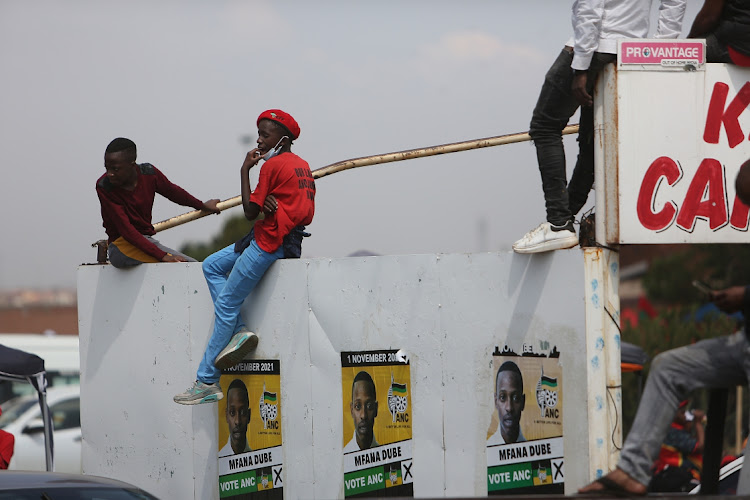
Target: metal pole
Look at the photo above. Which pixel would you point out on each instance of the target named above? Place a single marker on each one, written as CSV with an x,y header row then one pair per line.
x,y
596,363
372,160
717,413
611,331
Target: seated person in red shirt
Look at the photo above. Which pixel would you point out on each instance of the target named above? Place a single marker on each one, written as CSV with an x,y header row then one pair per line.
x,y
286,195
126,194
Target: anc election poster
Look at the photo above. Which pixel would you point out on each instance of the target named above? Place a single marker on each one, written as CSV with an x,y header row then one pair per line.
x,y
376,395
524,440
250,459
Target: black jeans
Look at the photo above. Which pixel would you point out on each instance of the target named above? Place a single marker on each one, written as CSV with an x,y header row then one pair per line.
x,y
716,51
554,108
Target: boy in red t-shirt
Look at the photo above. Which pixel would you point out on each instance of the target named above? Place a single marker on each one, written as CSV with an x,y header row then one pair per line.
x,y
286,194
126,194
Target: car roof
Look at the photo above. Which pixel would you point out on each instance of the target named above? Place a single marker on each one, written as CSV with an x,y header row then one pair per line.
x,y
20,479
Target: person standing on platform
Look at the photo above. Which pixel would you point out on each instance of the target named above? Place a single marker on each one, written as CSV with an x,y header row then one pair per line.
x,y
568,85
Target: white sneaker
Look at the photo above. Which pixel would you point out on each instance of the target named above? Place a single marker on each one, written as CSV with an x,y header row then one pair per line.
x,y
546,238
200,393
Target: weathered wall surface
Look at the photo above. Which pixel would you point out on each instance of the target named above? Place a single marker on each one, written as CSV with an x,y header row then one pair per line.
x,y
142,333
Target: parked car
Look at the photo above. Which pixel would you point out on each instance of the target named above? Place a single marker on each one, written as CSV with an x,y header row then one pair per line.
x,y
27,485
22,417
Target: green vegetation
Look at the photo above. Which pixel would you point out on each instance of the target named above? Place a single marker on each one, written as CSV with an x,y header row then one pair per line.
x,y
234,228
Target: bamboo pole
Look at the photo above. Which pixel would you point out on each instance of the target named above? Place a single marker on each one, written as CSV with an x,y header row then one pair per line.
x,y
371,160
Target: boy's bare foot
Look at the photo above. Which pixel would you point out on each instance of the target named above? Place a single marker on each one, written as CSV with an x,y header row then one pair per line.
x,y
617,482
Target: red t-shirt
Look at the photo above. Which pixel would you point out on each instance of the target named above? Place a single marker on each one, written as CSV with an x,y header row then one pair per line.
x,y
289,179
128,213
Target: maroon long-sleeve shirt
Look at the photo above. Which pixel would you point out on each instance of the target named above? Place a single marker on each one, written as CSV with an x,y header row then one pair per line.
x,y
128,213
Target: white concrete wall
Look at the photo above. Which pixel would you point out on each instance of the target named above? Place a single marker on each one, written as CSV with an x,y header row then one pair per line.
x,y
143,331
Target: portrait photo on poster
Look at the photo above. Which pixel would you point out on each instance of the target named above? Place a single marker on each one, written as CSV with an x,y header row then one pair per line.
x,y
376,422
250,457
524,439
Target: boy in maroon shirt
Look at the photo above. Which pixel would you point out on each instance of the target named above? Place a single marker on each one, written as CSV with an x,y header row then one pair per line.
x,y
126,194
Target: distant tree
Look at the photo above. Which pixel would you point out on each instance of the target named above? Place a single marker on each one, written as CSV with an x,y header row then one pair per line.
x,y
234,228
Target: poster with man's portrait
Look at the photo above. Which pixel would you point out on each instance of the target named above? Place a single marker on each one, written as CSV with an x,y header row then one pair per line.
x,y
250,459
524,440
376,395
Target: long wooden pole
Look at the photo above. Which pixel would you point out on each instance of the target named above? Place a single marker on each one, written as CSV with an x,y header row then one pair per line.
x,y
371,160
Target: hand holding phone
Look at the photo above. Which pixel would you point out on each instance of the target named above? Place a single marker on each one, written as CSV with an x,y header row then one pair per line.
x,y
705,289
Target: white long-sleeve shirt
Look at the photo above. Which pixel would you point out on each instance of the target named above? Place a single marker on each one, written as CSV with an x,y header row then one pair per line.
x,y
598,24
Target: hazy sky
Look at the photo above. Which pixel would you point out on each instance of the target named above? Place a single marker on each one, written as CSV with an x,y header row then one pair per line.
x,y
186,80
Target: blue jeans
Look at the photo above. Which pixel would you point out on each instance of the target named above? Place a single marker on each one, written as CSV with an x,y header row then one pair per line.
x,y
674,374
231,277
554,108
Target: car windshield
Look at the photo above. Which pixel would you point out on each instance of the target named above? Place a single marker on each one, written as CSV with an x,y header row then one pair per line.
x,y
83,493
14,408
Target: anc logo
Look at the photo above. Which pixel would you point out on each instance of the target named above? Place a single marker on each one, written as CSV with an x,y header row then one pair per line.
x,y
268,408
397,400
546,393
394,475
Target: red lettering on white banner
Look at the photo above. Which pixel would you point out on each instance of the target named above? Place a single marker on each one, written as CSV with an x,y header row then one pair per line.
x,y
706,198
717,115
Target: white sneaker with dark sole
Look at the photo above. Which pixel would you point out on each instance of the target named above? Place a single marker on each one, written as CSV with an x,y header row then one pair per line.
x,y
241,344
546,237
200,393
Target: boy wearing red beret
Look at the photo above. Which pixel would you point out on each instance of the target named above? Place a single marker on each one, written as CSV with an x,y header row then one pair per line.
x,y
286,194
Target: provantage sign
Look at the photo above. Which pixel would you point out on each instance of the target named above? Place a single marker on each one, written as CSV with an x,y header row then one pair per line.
x,y
668,54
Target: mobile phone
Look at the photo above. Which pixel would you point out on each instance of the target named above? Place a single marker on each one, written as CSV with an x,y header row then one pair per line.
x,y
705,289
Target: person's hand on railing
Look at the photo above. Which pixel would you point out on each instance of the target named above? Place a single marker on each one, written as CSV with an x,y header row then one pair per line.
x,y
211,206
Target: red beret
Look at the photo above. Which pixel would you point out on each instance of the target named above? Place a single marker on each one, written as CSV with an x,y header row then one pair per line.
x,y
285,119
